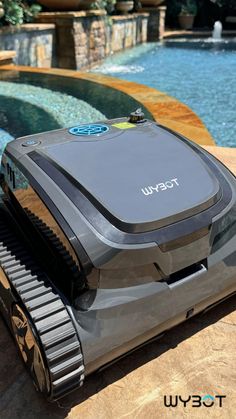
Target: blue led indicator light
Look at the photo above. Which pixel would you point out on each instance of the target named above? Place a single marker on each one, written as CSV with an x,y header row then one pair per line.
x,y
29,143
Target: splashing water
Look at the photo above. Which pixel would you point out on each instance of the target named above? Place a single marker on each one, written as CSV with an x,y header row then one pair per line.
x,y
109,68
217,31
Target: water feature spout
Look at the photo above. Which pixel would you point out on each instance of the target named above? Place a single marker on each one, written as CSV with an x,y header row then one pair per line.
x,y
217,31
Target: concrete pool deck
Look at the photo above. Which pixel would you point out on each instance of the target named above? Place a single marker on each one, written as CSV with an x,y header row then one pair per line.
x,y
197,357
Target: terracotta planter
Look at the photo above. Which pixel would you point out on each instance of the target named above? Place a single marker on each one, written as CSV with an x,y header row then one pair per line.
x,y
1,10
186,21
66,4
124,7
151,3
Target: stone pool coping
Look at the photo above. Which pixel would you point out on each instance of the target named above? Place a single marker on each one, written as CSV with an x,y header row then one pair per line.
x,y
195,34
6,57
165,109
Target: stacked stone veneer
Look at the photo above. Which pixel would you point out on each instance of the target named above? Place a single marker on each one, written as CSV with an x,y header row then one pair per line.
x,y
156,23
79,40
34,44
85,38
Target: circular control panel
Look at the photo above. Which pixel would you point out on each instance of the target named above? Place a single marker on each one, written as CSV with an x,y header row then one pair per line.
x,y
88,130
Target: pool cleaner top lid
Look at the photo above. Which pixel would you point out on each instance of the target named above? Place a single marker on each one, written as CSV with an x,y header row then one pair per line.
x,y
140,179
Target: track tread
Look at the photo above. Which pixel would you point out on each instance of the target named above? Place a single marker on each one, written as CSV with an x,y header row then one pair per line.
x,y
52,322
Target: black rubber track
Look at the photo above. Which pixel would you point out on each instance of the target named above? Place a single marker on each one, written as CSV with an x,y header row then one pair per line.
x,y
55,242
57,335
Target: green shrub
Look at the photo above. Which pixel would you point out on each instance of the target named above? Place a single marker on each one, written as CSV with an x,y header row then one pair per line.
x,y
226,3
189,7
107,5
17,12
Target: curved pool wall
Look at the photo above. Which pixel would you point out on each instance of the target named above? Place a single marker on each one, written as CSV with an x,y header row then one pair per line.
x,y
27,109
112,97
17,112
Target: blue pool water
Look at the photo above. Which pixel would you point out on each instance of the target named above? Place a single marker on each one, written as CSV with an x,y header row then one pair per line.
x,y
201,74
26,109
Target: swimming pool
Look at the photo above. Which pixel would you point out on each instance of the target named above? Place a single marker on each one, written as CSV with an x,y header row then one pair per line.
x,y
200,73
33,101
27,109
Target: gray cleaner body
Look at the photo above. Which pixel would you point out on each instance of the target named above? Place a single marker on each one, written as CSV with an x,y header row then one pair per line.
x,y
111,234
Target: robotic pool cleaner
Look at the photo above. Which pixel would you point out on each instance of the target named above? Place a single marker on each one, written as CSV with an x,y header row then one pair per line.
x,y
110,234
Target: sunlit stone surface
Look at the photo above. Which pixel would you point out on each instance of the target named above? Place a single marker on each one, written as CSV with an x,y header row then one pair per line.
x,y
197,357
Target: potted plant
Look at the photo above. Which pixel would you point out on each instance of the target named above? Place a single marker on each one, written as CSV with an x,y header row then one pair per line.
x,y
16,12
67,4
106,5
124,6
187,14
151,3
1,10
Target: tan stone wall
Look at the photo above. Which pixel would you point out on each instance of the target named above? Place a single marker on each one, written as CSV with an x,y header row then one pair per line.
x,y
80,40
127,31
156,23
85,38
33,44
